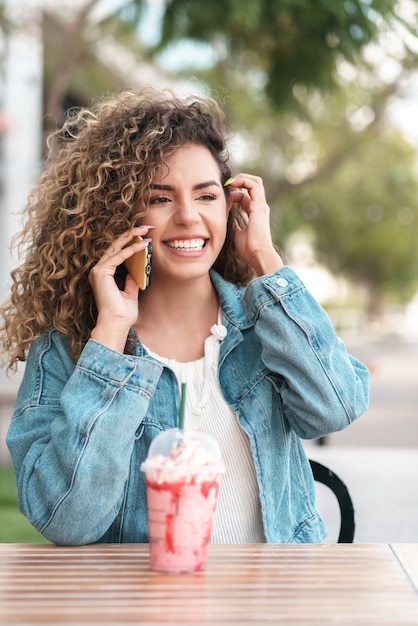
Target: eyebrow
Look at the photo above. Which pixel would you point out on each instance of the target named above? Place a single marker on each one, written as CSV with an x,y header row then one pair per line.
x,y
204,185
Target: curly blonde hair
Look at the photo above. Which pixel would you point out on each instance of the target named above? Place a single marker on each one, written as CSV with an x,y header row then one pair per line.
x,y
94,187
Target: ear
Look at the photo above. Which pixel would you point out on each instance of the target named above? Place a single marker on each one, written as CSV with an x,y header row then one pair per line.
x,y
229,203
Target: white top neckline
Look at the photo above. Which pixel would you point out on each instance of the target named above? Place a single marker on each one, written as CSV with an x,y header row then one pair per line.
x,y
238,513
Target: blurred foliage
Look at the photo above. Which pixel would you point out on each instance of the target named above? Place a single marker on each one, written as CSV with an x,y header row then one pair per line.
x,y
14,527
369,229
290,42
364,219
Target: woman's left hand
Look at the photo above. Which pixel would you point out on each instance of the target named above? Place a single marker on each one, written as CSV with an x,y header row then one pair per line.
x,y
253,241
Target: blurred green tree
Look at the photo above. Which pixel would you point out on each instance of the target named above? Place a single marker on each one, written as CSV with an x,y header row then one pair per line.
x,y
287,42
363,216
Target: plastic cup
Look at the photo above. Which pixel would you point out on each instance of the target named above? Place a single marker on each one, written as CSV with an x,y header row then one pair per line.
x,y
183,471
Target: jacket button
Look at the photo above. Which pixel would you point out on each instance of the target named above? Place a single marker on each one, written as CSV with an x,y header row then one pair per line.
x,y
282,282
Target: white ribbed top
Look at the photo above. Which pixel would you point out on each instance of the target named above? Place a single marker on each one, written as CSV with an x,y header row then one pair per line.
x,y
238,515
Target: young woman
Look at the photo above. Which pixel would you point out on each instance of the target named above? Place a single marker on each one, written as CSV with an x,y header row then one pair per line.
x,y
263,366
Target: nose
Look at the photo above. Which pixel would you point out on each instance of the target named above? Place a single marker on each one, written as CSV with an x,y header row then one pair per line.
x,y
186,214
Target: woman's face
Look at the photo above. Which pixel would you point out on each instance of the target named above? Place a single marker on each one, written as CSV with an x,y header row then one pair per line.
x,y
189,210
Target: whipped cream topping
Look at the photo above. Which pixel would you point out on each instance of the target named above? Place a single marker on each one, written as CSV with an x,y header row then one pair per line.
x,y
188,460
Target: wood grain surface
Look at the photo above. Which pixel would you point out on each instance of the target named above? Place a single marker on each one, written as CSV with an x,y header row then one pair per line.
x,y
252,584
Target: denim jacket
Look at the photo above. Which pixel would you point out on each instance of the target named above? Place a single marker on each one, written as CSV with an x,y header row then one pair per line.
x,y
80,431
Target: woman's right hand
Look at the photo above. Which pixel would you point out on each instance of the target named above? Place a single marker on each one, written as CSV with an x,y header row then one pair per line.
x,y
117,309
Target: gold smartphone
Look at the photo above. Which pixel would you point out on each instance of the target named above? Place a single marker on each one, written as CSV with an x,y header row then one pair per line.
x,y
139,265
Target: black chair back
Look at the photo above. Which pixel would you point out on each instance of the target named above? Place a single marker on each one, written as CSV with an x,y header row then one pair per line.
x,y
324,475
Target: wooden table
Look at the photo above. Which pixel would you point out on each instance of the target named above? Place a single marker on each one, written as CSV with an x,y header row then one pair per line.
x,y
252,584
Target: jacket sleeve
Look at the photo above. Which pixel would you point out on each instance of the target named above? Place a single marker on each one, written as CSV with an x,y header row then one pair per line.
x,y
72,435
323,388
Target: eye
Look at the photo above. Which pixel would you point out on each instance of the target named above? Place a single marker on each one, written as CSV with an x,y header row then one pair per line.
x,y
159,200
207,197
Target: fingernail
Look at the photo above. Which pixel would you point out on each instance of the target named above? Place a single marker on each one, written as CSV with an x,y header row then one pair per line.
x,y
228,182
146,226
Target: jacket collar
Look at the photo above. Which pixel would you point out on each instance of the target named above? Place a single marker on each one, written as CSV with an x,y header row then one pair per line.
x,y
230,296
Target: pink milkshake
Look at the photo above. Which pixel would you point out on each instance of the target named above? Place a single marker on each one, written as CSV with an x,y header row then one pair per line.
x,y
183,471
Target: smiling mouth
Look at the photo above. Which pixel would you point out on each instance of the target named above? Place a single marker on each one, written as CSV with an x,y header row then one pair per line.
x,y
186,244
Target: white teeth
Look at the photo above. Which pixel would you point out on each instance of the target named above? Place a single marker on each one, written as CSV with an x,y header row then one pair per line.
x,y
187,244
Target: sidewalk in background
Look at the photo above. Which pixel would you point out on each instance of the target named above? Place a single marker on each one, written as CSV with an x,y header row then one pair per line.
x,y
383,483
377,455
392,416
